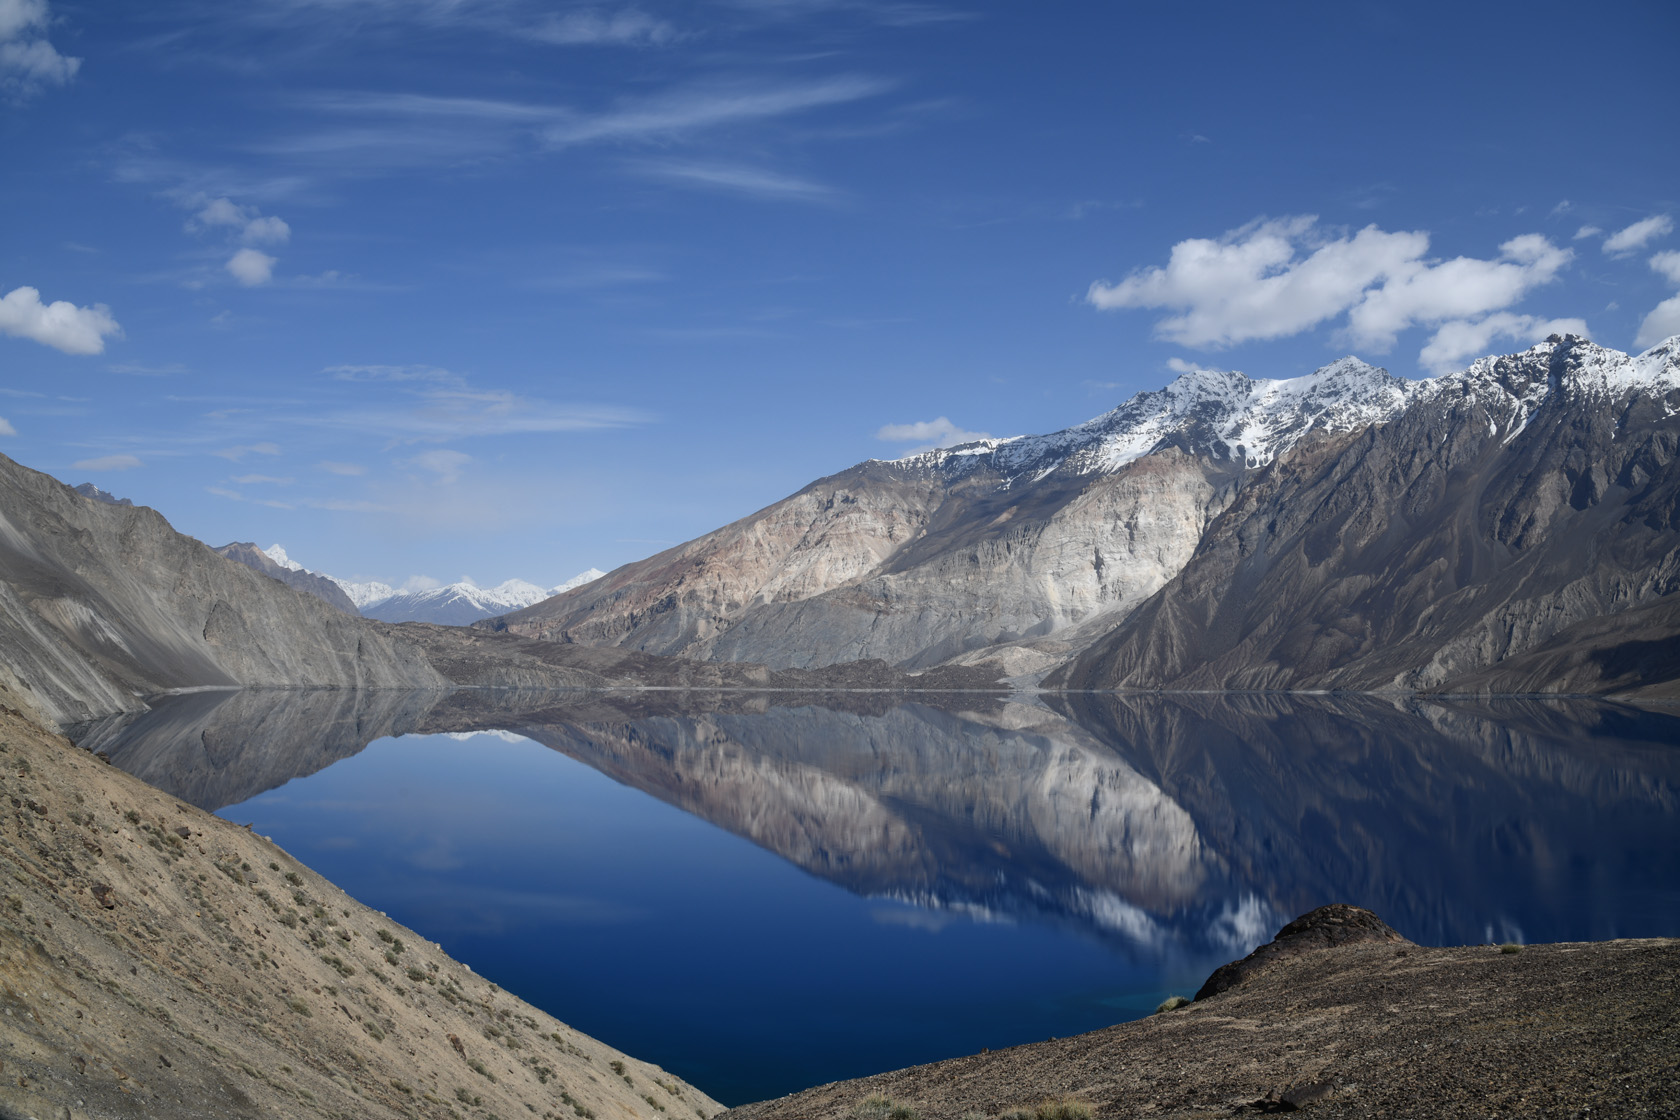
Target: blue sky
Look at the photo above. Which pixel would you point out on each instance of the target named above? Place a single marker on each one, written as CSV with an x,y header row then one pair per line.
x,y
432,288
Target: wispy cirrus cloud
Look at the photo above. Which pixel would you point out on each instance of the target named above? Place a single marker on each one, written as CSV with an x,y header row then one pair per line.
x,y
736,179
398,130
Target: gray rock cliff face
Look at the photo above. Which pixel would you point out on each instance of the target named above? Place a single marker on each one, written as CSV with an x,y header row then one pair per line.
x,y
100,604
1481,541
309,583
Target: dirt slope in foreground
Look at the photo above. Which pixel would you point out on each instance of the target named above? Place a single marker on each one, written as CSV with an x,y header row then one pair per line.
x,y
1370,1028
157,961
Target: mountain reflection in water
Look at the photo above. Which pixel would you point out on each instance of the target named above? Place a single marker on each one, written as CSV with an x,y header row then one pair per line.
x,y
1177,831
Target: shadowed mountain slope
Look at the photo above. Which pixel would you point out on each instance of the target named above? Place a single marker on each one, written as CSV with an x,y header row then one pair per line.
x,y
1516,529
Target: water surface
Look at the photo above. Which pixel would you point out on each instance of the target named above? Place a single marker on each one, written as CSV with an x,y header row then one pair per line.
x,y
764,893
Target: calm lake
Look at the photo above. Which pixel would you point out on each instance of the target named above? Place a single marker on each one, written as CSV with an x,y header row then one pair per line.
x,y
763,892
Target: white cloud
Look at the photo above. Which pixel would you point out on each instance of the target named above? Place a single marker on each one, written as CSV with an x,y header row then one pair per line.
x,y
251,267
262,479
61,325
1587,231
346,469
455,411
1251,284
446,465
1460,340
6,428
1275,278
1638,235
743,180
28,63
108,463
1663,322
406,130
1179,365
930,434
266,231
420,583
1455,289
594,28
1668,264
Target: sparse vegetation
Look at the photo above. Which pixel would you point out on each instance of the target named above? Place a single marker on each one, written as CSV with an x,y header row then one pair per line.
x,y
339,966
1510,947
877,1107
1171,1003
300,1007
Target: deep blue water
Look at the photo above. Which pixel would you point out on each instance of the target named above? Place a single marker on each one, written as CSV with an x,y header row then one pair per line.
x,y
762,898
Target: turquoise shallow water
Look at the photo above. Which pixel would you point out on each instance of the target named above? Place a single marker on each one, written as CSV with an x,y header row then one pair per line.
x,y
762,898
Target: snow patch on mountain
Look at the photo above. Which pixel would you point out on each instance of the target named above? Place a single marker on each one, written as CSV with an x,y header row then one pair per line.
x,y
277,554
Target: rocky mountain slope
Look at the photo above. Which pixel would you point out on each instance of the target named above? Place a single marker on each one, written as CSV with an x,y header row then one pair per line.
x,y
1516,528
158,961
102,603
1344,529
921,559
295,576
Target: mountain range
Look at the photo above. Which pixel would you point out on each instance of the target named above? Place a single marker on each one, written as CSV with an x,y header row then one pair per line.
x,y
1344,529
455,604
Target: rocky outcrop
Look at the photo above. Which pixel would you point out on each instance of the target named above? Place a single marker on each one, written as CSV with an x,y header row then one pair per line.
x,y
298,579
1324,928
1487,539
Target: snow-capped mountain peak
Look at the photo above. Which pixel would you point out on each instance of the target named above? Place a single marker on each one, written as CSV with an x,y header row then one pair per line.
x,y
277,554
1221,413
454,604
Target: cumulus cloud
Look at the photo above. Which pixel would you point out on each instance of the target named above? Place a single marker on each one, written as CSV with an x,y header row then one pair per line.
x,y
1668,264
6,428
1638,235
60,324
247,222
930,434
1458,341
108,463
1587,231
28,63
445,464
1664,320
1278,277
251,267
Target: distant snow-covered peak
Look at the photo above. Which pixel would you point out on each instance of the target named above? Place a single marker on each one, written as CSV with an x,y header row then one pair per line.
x,y
454,604
277,554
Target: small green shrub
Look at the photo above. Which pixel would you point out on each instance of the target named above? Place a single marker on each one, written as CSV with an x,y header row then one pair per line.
x,y
478,1068
400,1087
467,1098
300,1007
1510,947
293,878
338,965
1172,1003
131,816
